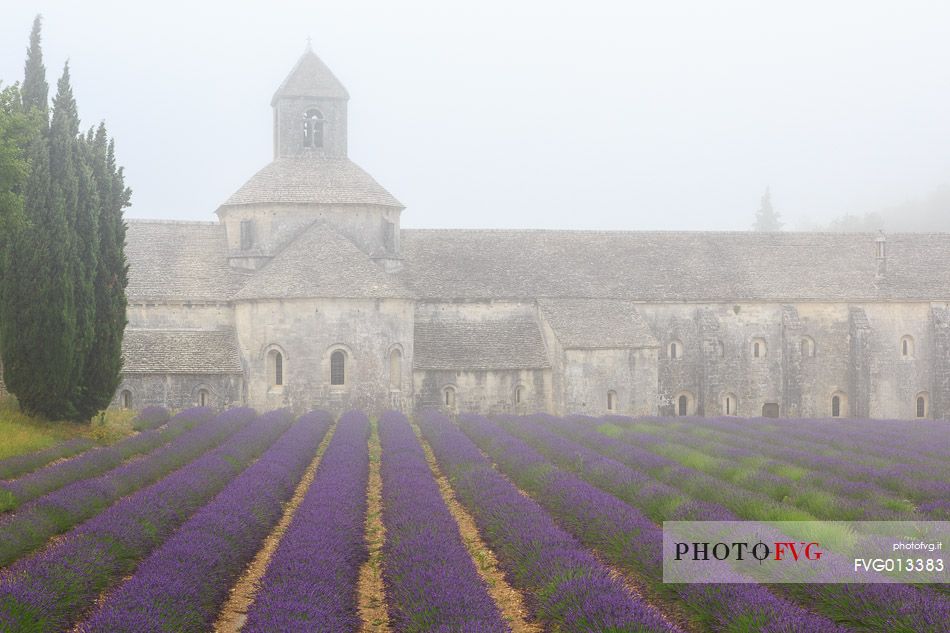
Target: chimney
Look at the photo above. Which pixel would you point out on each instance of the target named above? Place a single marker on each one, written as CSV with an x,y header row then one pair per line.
x,y
880,249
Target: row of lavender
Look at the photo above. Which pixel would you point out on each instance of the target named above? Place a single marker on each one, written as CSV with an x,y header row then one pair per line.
x,y
431,583
19,465
182,584
566,588
35,522
311,581
880,479
624,471
92,462
627,537
779,472
52,589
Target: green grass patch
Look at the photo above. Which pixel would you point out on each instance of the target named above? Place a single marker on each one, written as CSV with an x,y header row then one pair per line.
x,y
610,430
23,433
788,471
689,457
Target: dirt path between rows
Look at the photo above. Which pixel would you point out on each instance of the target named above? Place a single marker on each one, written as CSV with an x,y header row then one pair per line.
x,y
372,595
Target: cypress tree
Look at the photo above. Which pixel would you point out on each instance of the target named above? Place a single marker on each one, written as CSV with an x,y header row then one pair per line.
x,y
35,90
41,364
17,128
767,218
103,364
86,258
26,278
64,273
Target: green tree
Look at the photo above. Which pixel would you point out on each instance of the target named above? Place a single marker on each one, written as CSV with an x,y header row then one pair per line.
x,y
767,218
35,91
41,363
16,130
64,273
103,363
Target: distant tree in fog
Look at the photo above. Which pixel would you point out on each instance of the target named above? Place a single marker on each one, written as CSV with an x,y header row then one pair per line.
x,y
767,218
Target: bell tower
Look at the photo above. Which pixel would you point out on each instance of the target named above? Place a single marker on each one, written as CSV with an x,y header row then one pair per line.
x,y
310,111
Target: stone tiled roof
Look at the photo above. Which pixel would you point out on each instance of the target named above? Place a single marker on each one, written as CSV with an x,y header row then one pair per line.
x,y
473,345
673,266
597,323
312,180
310,77
181,261
180,352
321,263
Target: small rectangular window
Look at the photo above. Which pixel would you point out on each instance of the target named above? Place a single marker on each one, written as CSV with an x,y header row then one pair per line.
x,y
247,234
389,237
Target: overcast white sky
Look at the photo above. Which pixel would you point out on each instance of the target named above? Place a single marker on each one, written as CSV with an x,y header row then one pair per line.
x,y
548,114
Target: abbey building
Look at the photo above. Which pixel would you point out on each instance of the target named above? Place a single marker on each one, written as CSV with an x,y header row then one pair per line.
x,y
307,293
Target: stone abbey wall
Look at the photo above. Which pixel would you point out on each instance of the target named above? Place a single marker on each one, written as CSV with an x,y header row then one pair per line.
x,y
853,352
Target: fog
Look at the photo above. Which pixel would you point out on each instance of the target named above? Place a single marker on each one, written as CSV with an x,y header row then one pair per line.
x,y
613,115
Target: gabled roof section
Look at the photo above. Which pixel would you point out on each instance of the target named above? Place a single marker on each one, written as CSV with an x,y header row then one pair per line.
x,y
674,266
321,263
310,77
179,261
514,343
312,180
597,324
180,352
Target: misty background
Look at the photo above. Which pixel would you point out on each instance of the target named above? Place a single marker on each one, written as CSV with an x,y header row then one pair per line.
x,y
604,115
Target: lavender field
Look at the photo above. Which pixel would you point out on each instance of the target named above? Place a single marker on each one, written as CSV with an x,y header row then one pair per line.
x,y
236,521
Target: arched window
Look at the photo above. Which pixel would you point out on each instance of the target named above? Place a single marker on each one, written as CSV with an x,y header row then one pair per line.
x,y
519,394
313,128
682,405
808,347
730,404
125,399
675,350
338,367
611,400
759,349
922,408
275,367
448,397
836,406
907,347
395,369
203,398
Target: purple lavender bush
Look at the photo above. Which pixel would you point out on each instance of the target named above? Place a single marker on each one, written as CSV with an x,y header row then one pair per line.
x,y
49,590
311,581
565,587
429,575
91,463
622,534
880,607
56,512
150,418
195,568
19,465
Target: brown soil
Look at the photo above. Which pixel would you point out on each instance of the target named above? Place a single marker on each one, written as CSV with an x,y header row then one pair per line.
x,y
372,596
509,600
234,612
